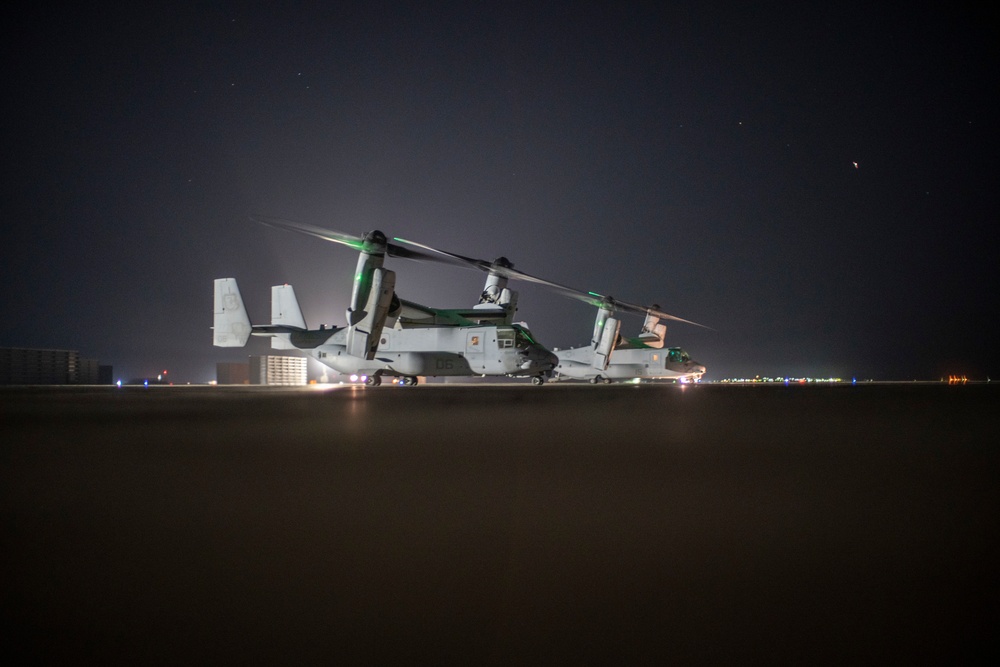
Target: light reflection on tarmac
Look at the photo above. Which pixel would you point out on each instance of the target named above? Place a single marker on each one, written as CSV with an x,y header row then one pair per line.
x,y
500,524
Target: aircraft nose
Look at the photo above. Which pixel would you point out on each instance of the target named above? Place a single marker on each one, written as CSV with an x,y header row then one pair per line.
x,y
538,358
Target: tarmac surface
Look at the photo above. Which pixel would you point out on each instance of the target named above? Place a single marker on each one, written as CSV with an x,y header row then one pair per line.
x,y
501,524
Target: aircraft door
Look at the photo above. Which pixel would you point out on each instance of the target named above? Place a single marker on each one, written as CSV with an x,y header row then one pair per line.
x,y
475,346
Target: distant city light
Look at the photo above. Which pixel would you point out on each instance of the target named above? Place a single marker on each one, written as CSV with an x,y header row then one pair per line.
x,y
757,379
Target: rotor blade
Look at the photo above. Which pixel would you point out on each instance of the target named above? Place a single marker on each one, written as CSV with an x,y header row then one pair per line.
x,y
350,240
615,304
504,267
456,259
591,298
665,316
396,250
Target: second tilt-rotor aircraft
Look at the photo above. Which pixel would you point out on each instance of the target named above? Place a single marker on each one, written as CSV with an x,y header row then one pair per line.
x,y
611,357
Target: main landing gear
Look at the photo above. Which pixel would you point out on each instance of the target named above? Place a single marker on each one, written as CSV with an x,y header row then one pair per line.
x,y
599,378
375,379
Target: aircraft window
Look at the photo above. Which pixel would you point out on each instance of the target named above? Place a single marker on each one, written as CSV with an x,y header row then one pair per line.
x,y
677,355
523,335
505,338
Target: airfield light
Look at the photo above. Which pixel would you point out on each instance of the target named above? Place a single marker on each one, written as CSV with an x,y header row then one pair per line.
x,y
354,377
119,383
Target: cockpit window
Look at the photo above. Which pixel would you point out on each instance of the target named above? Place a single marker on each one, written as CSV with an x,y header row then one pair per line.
x,y
677,355
523,337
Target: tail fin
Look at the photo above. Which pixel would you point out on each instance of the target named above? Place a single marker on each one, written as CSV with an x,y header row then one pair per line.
x,y
285,307
285,313
231,327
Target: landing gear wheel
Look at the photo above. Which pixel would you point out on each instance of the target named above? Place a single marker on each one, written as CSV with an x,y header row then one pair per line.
x,y
373,380
538,380
606,380
408,381
595,380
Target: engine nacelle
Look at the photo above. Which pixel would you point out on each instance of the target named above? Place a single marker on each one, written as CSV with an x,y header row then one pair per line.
x,y
609,338
360,340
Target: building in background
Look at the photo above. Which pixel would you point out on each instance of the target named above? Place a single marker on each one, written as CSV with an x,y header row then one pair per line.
x,y
37,366
232,372
87,371
278,370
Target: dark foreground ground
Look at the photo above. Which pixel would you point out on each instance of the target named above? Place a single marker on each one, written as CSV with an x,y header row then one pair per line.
x,y
498,525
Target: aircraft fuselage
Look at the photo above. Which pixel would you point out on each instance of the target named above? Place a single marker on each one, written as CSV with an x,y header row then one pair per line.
x,y
625,364
435,351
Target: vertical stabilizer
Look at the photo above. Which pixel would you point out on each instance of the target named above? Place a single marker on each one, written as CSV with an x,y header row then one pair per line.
x,y
285,309
231,324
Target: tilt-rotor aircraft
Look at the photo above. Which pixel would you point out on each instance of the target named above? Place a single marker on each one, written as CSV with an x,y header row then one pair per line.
x,y
609,356
386,335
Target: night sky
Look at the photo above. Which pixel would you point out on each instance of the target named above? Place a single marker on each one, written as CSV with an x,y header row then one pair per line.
x,y
817,184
